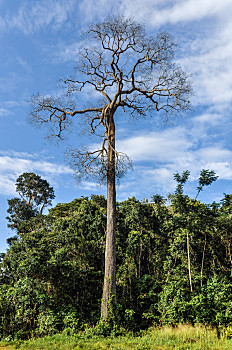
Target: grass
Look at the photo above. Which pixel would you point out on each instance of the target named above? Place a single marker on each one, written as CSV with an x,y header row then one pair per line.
x,y
180,338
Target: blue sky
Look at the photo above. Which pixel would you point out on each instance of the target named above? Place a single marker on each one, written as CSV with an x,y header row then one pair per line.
x,y
38,41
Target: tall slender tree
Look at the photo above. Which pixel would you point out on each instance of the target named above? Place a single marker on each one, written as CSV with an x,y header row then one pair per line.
x,y
131,72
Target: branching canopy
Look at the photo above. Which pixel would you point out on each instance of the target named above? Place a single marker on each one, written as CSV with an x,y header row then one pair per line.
x,y
130,71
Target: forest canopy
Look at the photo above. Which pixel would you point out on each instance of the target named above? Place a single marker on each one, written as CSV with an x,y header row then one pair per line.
x,y
52,274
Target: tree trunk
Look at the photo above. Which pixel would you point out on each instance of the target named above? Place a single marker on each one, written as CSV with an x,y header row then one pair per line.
x,y
189,264
202,262
109,290
228,245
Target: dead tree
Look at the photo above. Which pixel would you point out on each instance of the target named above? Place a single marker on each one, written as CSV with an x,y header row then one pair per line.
x,y
133,73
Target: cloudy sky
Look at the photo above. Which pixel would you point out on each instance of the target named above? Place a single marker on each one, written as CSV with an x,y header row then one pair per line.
x,y
38,41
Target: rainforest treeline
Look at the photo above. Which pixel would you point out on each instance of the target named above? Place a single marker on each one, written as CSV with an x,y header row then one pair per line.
x,y
174,261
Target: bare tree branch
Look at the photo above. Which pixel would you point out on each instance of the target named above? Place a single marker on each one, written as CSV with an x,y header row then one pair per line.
x,y
128,69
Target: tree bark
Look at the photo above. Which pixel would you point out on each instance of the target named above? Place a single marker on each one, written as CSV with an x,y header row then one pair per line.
x,y
202,262
189,264
109,290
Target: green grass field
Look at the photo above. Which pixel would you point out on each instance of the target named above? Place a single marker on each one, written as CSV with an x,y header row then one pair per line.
x,y
180,338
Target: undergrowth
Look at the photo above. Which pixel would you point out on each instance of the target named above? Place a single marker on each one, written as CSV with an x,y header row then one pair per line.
x,y
183,337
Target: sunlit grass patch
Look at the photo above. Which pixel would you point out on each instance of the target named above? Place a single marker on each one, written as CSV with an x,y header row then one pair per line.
x,y
182,337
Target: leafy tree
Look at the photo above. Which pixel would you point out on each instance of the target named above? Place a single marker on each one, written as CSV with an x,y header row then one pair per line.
x,y
158,199
207,177
131,72
181,180
35,194
186,207
34,191
19,212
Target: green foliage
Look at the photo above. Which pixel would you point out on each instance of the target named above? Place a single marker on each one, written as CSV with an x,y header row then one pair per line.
x,y
46,323
51,276
181,180
207,177
19,212
34,190
21,303
158,199
69,266
213,304
35,194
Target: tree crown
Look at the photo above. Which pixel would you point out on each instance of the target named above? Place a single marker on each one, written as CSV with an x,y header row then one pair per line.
x,y
125,69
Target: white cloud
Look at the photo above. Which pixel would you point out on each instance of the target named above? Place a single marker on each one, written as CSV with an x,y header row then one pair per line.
x,y
208,119
223,169
173,12
91,9
158,146
212,73
208,56
68,52
15,154
7,184
16,163
213,154
4,112
158,155
89,186
35,16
